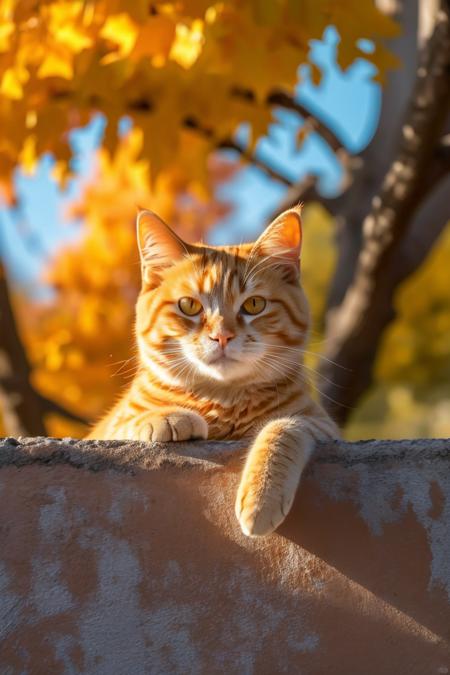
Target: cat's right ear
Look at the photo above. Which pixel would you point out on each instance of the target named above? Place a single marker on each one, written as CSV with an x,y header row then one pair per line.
x,y
159,246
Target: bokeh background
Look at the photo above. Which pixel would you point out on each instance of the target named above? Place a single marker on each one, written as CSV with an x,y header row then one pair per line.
x,y
218,115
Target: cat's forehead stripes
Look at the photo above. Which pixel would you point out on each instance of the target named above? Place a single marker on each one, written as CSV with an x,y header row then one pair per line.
x,y
221,275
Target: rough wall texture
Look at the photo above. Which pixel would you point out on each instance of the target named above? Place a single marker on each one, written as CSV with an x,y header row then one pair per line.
x,y
126,559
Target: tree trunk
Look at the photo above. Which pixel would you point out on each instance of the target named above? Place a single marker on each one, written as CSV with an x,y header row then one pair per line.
x,y
21,406
356,202
355,326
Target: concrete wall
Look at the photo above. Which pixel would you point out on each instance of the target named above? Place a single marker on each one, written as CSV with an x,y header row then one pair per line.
x,y
127,559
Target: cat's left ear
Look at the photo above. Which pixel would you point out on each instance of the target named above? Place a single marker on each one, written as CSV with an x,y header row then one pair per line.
x,y
282,240
159,246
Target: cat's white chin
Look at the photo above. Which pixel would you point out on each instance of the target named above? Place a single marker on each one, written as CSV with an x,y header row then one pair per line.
x,y
221,369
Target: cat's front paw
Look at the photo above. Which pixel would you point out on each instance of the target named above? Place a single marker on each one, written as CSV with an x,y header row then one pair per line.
x,y
260,514
176,425
271,476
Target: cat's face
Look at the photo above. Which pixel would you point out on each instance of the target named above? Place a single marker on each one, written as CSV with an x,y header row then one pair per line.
x,y
234,314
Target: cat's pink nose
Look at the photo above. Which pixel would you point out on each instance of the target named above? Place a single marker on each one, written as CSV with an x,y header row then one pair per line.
x,y
222,336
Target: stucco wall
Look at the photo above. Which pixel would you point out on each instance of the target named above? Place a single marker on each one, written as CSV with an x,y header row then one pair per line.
x,y
127,559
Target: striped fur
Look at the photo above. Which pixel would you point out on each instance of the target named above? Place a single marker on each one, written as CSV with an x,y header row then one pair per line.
x,y
224,373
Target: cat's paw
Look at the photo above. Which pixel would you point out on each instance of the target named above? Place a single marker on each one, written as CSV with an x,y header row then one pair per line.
x,y
176,425
271,476
259,514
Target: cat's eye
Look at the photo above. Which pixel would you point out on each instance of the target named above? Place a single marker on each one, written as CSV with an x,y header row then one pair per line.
x,y
190,306
254,305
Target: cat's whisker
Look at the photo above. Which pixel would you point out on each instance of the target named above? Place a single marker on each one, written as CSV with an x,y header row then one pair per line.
x,y
273,346
281,369
325,358
171,352
283,375
301,351
123,373
312,384
317,373
127,374
302,365
315,387
122,365
330,398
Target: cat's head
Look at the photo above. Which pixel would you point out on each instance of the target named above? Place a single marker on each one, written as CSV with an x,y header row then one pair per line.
x,y
231,314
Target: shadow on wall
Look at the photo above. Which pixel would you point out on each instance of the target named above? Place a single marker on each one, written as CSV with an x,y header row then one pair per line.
x,y
135,563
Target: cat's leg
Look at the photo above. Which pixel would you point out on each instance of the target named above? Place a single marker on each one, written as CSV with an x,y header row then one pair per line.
x,y
273,469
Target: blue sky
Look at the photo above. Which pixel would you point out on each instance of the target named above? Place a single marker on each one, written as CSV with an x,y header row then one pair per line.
x,y
348,102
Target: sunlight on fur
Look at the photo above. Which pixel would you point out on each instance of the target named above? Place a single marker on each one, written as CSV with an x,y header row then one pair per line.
x,y
220,334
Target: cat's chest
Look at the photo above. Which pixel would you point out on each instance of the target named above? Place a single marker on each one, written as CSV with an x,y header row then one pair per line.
x,y
240,417
229,423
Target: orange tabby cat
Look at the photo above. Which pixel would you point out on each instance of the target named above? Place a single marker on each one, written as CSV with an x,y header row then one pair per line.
x,y
220,334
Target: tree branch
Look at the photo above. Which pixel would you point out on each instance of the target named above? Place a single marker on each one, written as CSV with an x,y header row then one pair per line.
x,y
229,144
305,190
253,159
278,98
282,99
377,157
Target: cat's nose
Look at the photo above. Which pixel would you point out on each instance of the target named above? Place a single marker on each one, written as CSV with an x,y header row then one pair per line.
x,y
223,337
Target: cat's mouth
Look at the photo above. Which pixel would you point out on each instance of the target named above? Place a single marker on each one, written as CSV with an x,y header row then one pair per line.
x,y
220,359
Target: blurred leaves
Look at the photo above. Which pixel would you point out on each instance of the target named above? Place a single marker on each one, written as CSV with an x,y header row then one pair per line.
x,y
416,347
411,396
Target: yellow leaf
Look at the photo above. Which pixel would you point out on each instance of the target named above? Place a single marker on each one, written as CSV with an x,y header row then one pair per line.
x,y
6,30
12,81
56,64
122,31
73,38
188,44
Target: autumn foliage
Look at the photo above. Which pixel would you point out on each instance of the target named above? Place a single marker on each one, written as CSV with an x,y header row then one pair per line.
x,y
170,67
